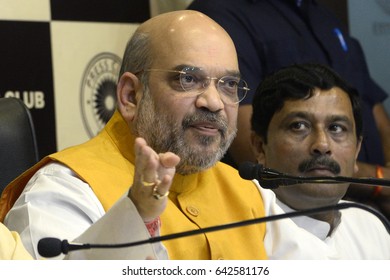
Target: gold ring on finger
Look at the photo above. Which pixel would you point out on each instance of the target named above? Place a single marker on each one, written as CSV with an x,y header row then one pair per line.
x,y
149,184
158,195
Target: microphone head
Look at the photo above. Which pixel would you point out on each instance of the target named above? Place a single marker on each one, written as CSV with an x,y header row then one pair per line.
x,y
249,170
51,247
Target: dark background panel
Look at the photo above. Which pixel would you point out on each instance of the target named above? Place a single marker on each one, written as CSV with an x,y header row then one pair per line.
x,y
100,10
26,73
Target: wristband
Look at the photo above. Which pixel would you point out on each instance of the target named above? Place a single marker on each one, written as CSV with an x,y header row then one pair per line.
x,y
153,226
379,175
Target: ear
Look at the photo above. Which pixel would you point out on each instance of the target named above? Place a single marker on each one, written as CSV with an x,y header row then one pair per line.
x,y
128,86
358,146
258,148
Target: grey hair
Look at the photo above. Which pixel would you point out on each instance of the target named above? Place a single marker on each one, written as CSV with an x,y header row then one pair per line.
x,y
137,56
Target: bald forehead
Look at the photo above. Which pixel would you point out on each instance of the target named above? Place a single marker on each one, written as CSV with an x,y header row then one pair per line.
x,y
179,21
189,37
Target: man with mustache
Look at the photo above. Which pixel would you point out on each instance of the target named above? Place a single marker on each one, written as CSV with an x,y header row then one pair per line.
x,y
307,122
154,168
269,35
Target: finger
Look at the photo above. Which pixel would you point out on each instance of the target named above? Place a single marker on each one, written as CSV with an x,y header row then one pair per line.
x,y
169,160
163,187
147,162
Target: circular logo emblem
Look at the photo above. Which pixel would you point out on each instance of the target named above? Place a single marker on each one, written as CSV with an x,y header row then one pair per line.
x,y
98,91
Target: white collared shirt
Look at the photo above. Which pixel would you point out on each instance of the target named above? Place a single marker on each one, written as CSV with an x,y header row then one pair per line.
x,y
359,235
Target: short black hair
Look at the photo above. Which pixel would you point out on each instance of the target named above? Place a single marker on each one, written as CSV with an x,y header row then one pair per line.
x,y
297,82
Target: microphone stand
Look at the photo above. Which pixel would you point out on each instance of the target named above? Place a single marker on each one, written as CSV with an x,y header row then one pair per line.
x,y
330,180
269,178
65,247
307,212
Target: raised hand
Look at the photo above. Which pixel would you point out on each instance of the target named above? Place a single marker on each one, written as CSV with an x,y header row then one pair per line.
x,y
152,180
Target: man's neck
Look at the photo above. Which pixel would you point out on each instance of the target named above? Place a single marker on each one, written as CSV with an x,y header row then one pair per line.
x,y
333,218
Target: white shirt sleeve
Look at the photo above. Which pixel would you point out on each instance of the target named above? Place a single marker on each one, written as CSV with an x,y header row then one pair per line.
x,y
56,203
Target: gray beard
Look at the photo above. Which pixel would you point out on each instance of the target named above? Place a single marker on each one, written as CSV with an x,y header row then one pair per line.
x,y
163,134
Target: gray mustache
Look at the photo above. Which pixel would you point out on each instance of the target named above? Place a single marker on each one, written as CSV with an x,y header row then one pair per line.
x,y
205,116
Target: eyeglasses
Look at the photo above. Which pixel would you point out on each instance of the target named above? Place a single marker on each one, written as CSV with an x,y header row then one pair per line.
x,y
194,80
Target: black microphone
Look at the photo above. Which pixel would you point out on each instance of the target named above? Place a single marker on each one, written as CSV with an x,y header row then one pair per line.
x,y
268,178
271,179
51,247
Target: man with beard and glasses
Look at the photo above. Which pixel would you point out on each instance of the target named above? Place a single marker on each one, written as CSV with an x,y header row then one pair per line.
x,y
307,122
154,169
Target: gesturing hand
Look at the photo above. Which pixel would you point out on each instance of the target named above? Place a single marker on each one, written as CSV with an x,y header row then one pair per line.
x,y
152,180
